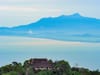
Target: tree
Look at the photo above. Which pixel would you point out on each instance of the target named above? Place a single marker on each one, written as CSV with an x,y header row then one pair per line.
x,y
0,72
11,73
29,71
76,73
6,68
96,72
62,68
45,72
27,64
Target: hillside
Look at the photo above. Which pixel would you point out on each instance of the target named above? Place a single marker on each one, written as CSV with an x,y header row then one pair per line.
x,y
65,27
37,67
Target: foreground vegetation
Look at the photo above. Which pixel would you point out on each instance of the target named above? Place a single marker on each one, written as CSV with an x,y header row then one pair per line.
x,y
60,68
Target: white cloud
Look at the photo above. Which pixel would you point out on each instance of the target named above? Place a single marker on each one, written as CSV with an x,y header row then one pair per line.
x,y
16,8
28,9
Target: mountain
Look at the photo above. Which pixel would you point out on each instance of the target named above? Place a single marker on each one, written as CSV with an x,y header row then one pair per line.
x,y
65,27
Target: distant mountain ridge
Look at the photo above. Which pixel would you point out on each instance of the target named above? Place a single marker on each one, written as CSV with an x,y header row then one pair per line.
x,y
65,27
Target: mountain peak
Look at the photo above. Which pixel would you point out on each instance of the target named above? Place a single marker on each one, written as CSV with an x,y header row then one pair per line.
x,y
72,15
76,14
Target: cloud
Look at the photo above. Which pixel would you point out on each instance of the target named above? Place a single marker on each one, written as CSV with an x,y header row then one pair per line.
x,y
16,41
27,9
16,8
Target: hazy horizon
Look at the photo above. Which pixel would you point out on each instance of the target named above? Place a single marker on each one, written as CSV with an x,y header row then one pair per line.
x,y
22,48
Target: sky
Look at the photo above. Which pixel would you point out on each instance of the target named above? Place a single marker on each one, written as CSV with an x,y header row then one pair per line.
x,y
21,12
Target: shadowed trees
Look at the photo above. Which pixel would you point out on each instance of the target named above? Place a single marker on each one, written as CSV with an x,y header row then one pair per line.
x,y
59,68
62,68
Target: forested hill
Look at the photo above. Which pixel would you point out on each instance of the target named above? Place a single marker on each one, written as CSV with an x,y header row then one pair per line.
x,y
58,68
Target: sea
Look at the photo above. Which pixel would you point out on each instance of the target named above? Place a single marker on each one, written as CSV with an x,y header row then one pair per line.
x,y
78,54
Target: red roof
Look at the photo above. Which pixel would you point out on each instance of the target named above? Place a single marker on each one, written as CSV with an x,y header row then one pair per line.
x,y
41,63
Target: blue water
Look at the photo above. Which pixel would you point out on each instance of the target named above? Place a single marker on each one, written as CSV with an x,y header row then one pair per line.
x,y
21,48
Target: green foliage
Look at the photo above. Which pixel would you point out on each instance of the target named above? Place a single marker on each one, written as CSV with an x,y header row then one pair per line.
x,y
26,63
29,71
14,67
76,73
59,68
45,72
95,72
6,68
62,68
11,73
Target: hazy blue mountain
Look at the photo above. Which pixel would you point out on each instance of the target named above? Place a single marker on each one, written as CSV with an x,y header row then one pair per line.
x,y
65,27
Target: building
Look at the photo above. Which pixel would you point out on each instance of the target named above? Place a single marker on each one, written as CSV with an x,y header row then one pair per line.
x,y
41,64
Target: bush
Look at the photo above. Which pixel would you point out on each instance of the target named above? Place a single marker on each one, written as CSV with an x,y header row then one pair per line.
x,y
11,73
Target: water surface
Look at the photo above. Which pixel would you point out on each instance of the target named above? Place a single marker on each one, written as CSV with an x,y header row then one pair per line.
x,y
22,48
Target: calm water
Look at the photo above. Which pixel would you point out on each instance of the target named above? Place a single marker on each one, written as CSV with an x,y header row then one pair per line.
x,y
21,48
